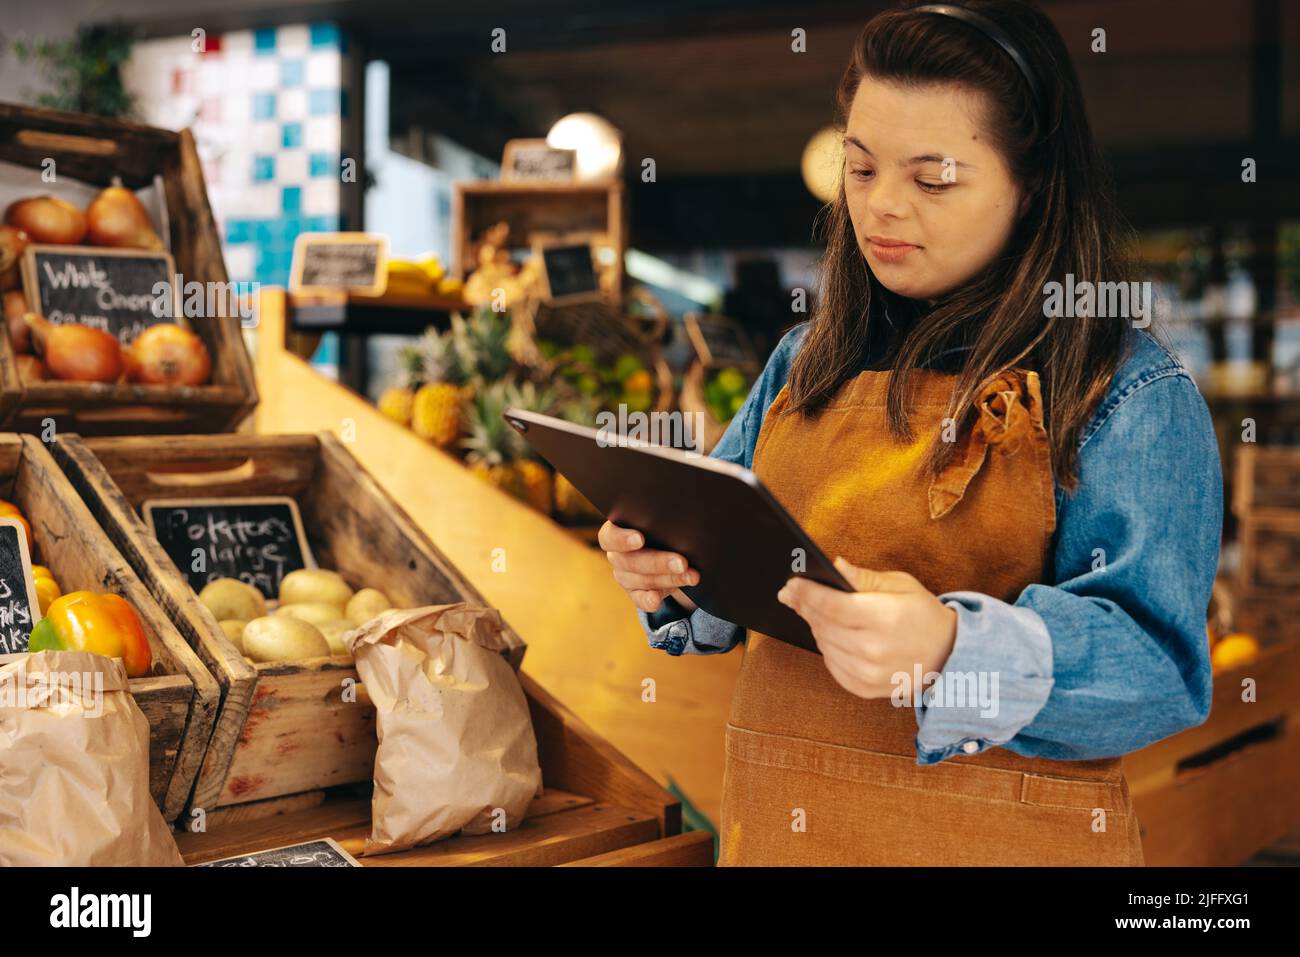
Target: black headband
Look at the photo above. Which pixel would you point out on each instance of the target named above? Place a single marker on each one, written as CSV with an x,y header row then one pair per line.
x,y
995,33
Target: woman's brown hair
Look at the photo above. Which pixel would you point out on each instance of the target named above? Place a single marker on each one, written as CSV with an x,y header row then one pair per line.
x,y
1070,224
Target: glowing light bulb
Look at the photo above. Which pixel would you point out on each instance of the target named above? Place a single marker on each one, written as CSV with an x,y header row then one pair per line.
x,y
598,142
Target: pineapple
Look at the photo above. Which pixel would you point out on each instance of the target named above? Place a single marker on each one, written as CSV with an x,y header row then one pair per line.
x,y
396,402
481,345
490,441
436,408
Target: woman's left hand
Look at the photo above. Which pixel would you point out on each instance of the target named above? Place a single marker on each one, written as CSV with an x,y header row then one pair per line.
x,y
891,624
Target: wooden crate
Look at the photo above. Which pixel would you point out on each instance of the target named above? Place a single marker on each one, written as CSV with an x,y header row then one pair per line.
x,y
1266,479
597,809
179,697
1215,794
1270,551
93,150
283,727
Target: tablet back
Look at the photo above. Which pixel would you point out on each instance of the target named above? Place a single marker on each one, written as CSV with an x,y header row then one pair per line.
x,y
717,514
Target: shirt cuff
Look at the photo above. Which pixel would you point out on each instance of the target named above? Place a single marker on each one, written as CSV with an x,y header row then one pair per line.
x,y
673,629
995,681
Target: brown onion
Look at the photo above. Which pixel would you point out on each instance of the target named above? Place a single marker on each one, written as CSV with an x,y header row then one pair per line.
x,y
76,353
168,354
30,369
48,219
13,242
116,217
19,333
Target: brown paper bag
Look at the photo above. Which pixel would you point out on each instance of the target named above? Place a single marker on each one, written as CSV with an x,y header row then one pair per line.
x,y
74,766
456,740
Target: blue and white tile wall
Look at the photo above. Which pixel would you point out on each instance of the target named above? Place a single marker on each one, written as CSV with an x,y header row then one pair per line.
x,y
267,108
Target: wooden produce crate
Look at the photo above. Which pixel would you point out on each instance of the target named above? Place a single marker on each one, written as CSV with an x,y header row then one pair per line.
x,y
1266,479
93,150
597,808
1213,795
179,698
283,727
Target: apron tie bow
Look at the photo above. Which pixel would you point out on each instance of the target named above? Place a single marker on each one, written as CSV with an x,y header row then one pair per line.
x,y
1009,407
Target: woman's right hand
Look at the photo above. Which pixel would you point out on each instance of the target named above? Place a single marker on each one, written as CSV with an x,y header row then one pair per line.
x,y
646,574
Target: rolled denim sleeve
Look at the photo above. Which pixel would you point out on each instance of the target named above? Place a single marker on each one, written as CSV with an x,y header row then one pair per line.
x,y
670,627
1113,657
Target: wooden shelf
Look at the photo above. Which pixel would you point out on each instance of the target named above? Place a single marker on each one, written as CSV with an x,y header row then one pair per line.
x,y
368,316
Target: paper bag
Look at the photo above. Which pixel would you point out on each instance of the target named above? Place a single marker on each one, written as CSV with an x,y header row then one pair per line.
x,y
456,745
74,766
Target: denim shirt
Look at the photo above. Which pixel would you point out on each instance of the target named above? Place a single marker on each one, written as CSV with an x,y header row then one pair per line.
x,y
1111,654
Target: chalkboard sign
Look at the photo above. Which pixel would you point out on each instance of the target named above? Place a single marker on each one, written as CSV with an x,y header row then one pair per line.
x,y
323,853
719,340
256,540
19,609
122,291
356,263
568,273
537,161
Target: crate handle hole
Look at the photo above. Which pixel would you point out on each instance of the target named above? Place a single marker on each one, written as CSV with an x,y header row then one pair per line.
x,y
1259,734
194,477
67,142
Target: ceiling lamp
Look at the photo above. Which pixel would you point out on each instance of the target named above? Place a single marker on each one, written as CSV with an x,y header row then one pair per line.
x,y
823,162
598,142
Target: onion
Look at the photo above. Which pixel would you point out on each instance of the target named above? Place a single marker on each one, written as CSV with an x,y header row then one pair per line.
x,y
30,369
13,242
168,354
116,217
19,333
48,219
75,352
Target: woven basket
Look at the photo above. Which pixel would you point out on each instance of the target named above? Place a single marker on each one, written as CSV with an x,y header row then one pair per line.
x,y
604,327
692,401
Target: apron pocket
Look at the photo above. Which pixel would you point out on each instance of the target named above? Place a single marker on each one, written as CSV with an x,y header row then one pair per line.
x,y
1046,791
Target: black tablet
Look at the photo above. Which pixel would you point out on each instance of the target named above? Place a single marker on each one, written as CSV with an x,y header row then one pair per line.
x,y
717,514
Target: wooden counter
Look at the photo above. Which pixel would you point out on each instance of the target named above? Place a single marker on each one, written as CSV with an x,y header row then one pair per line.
x,y
585,645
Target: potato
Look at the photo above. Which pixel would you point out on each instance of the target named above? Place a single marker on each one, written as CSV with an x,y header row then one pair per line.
x,y
365,605
334,632
232,600
235,632
312,611
283,638
314,585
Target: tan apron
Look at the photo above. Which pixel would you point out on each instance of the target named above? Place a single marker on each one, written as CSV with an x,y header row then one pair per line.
x,y
818,776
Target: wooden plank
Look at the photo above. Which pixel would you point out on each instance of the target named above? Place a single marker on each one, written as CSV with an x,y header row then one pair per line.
x,y
236,465
1220,815
299,734
692,849
332,818
1276,676
537,842
248,836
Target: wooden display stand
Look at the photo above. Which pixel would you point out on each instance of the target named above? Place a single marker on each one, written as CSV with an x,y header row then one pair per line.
x,y
93,150
597,809
178,697
537,207
284,727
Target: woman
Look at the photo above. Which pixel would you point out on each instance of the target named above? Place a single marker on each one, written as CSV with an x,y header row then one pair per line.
x,y
1026,497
